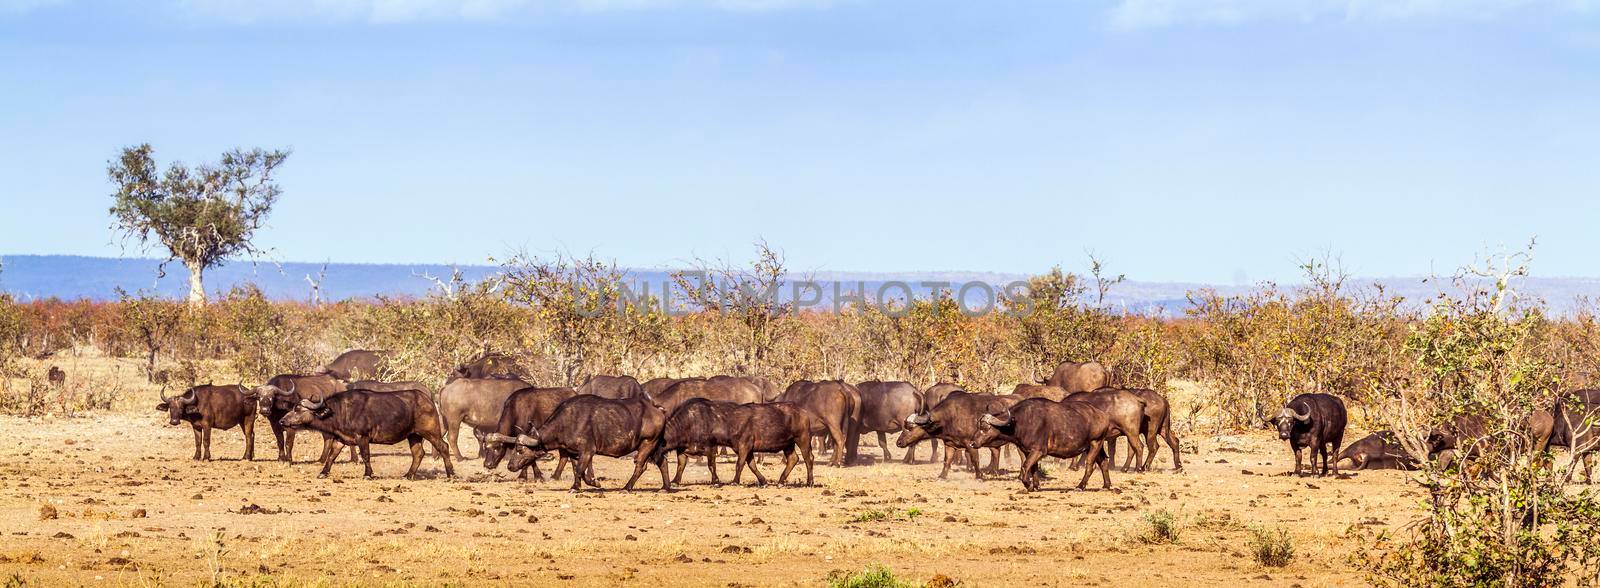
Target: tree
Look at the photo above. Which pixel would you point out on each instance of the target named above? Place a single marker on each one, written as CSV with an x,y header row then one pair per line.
x,y
203,215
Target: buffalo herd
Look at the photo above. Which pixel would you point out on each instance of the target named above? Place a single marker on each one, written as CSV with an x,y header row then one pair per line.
x,y
1075,414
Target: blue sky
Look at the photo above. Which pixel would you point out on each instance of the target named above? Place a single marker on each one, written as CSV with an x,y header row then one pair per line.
x,y
1194,140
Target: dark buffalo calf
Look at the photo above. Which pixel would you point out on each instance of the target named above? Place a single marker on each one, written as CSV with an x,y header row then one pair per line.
x,y
524,410
586,425
1041,427
1316,421
1379,451
362,417
213,407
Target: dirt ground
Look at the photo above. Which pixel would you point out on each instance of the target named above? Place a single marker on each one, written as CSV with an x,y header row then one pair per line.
x,y
115,499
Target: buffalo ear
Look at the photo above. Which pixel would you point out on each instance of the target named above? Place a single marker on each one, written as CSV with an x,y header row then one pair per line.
x,y
163,407
323,413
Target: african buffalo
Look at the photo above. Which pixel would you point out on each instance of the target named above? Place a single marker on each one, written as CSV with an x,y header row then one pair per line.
x,y
1156,427
1575,418
475,402
697,427
1047,391
611,386
362,417
955,421
931,398
587,425
522,411
838,405
883,409
282,393
356,364
656,386
489,366
1127,411
1380,450
720,388
213,407
1456,438
772,427
1079,377
1316,421
1041,427
377,386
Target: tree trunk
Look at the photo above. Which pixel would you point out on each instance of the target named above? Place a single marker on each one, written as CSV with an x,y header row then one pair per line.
x,y
197,290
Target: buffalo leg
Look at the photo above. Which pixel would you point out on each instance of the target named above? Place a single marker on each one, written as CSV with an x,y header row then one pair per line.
x,y
197,452
883,443
711,464
683,462
977,464
949,458
249,427
1030,460
353,456
1135,442
205,435
288,445
278,435
1297,461
366,459
577,471
806,453
640,462
1105,467
836,431
452,435
1172,441
760,479
789,461
994,460
328,454
442,450
740,456
561,464
416,456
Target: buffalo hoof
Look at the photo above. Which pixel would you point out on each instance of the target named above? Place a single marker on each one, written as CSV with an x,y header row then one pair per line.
x,y
322,476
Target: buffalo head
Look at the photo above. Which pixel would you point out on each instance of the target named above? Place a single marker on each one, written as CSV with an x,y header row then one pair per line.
x,y
494,449
176,407
306,412
1288,418
525,449
916,428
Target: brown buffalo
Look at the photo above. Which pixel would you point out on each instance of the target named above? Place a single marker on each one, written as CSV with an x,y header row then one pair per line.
x,y
475,402
356,364
697,427
360,418
883,409
611,386
656,386
282,394
1079,377
213,407
587,425
720,388
838,405
955,421
1126,410
1156,427
1041,427
1040,391
769,428
524,410
1380,450
490,366
1316,421
931,398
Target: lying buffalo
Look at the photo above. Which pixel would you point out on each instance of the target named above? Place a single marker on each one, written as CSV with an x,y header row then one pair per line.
x,y
1126,409
883,409
585,426
955,421
213,407
524,410
1316,421
838,405
490,365
1041,427
282,394
1079,377
356,364
1378,451
475,402
1047,391
362,417
611,386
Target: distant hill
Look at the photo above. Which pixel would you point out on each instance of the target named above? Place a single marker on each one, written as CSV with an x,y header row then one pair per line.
x,y
30,277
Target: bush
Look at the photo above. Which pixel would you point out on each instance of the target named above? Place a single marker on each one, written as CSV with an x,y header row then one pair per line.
x,y
1159,527
874,576
1271,547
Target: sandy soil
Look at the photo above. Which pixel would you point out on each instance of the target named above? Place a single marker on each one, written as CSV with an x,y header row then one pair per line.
x,y
115,499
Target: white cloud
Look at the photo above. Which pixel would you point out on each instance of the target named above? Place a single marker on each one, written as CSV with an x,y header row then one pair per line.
x,y
1141,14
